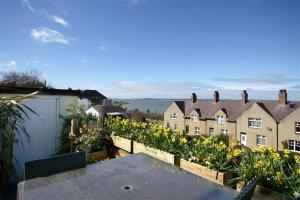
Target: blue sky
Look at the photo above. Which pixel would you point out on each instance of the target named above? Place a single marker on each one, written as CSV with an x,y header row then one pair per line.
x,y
156,48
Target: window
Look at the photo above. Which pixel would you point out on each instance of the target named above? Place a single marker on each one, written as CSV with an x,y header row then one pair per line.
x,y
210,131
220,119
297,127
176,126
224,132
254,123
194,117
261,140
197,130
294,145
173,116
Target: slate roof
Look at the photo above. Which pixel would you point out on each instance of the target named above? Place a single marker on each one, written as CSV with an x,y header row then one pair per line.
x,y
234,108
51,91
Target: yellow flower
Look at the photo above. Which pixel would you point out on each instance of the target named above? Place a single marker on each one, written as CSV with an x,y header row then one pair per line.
x,y
298,171
297,159
279,177
271,149
183,140
266,173
237,152
286,151
259,164
173,139
262,148
228,156
276,156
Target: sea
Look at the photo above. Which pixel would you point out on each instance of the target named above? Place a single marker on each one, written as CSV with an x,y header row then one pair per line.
x,y
153,105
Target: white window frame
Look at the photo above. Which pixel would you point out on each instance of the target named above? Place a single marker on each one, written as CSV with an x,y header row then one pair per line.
x,y
255,122
297,126
176,126
197,130
224,132
261,137
293,143
210,131
173,116
220,119
194,118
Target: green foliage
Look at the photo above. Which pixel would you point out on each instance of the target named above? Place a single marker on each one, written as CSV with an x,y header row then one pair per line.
x,y
12,116
277,170
88,133
75,112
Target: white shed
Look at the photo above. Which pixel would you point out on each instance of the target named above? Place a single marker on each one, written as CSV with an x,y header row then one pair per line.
x,y
45,129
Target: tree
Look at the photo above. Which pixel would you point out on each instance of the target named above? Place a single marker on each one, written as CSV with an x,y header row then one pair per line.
x,y
22,79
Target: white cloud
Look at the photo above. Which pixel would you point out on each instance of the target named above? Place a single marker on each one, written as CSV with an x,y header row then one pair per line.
x,y
45,14
84,61
47,35
27,4
60,20
7,66
184,89
160,89
134,2
103,48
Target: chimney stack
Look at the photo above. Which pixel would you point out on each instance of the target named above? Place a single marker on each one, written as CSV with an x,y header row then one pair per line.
x,y
194,98
216,97
282,97
244,97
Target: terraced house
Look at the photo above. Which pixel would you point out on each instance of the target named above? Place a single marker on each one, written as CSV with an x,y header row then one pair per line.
x,y
252,123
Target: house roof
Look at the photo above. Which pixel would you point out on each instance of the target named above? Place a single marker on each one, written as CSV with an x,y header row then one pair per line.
x,y
51,91
234,108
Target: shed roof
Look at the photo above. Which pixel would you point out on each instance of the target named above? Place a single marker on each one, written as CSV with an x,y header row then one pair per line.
x,y
51,91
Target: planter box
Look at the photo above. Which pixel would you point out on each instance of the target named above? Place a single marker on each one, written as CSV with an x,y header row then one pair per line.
x,y
156,153
121,153
262,192
122,143
99,155
215,176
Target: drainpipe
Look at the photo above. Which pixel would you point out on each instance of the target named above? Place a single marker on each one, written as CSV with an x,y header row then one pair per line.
x,y
277,133
235,130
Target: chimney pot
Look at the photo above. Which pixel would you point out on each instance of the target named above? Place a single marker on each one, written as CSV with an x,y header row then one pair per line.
x,y
216,97
283,97
244,97
194,98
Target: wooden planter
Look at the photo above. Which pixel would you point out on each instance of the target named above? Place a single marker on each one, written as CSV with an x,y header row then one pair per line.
x,y
99,155
122,143
215,176
262,192
156,153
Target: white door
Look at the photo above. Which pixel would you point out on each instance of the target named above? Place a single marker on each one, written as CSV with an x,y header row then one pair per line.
x,y
243,139
43,140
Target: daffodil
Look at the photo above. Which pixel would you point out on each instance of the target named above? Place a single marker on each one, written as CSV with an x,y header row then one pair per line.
x,y
259,164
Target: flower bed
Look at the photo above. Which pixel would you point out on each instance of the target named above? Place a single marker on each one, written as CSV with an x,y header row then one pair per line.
x,y
212,157
215,176
156,153
262,192
122,143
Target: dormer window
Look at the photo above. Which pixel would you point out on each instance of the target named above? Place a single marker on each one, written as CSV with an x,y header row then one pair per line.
x,y
255,123
297,127
220,119
194,117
